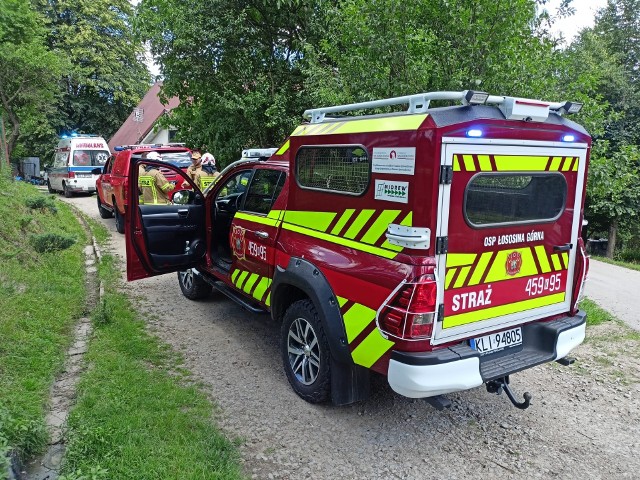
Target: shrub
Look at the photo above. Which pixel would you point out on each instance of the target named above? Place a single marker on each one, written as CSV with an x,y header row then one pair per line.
x,y
51,242
41,203
629,255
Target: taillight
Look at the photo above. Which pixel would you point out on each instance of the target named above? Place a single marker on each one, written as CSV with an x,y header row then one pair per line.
x,y
580,277
72,174
409,313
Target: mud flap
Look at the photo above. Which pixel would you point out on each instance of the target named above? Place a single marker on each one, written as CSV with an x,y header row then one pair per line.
x,y
350,383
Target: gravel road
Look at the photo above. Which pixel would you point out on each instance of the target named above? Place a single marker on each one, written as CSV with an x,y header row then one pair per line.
x,y
584,421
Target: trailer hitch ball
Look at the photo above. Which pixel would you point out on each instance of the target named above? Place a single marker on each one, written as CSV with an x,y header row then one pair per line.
x,y
499,385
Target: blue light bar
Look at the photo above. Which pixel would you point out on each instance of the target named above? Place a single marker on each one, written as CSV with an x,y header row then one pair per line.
x,y
474,133
64,136
74,134
568,138
118,149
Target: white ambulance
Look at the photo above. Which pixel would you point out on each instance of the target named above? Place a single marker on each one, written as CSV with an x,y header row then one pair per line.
x,y
76,159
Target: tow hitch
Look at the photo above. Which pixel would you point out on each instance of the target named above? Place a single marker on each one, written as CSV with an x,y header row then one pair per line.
x,y
499,384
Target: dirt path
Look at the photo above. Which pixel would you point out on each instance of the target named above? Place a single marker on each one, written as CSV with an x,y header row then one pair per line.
x,y
584,421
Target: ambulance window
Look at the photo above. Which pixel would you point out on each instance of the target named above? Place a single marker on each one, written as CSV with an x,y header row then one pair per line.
x,y
61,159
342,168
499,199
263,191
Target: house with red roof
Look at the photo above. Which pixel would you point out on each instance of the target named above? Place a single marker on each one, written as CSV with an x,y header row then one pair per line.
x,y
141,125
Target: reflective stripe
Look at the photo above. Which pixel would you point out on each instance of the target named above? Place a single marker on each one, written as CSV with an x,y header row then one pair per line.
x,y
234,275
257,219
344,218
261,288
543,259
166,187
381,252
481,267
342,301
469,166
356,320
493,312
315,220
485,163
556,262
284,147
511,163
359,223
555,164
460,259
498,271
462,276
451,272
250,282
371,349
380,226
241,278
386,124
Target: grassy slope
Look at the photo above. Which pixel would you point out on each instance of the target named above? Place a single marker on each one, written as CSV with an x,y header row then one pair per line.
x,y
136,416
630,265
40,297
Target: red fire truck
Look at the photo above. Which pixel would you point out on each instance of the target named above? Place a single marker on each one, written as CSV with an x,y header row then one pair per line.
x,y
437,246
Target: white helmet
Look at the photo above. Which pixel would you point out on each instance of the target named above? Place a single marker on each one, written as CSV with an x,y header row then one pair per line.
x,y
208,159
154,156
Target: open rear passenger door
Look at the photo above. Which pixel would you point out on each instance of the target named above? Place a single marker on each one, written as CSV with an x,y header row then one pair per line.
x,y
164,238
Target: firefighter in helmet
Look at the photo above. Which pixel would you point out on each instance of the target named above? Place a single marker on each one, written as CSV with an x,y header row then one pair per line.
x,y
154,187
195,167
208,173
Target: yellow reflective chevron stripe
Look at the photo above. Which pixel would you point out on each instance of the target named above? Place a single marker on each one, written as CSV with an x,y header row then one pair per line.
x,y
386,124
316,220
250,282
358,223
511,163
344,218
460,259
371,349
543,260
481,267
451,272
380,226
261,284
257,218
462,276
498,272
494,312
261,287
356,320
342,301
284,147
555,258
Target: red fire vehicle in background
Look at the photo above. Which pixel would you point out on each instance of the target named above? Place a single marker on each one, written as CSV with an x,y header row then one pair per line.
x,y
437,246
111,185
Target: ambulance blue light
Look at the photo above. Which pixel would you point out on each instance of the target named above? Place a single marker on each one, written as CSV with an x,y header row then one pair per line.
x,y
64,136
474,132
74,134
568,138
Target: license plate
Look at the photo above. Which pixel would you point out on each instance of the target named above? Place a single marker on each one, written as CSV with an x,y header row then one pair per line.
x,y
497,341
83,175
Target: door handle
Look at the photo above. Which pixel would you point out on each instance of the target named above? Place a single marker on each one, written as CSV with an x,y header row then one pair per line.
x,y
563,248
262,234
183,212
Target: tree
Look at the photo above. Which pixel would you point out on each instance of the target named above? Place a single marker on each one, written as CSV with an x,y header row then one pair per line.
x,y
108,76
29,70
236,67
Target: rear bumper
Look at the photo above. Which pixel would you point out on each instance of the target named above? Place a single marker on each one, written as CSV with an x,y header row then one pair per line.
x,y
418,375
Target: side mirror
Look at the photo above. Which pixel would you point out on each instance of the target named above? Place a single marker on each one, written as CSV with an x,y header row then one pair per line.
x,y
97,171
184,197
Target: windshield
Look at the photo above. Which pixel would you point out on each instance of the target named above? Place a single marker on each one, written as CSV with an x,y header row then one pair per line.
x,y
90,158
179,159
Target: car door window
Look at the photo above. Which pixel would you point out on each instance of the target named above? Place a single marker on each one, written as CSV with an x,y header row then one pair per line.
x,y
264,189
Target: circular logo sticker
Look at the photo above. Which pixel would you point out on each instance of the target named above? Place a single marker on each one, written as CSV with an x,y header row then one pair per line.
x,y
514,262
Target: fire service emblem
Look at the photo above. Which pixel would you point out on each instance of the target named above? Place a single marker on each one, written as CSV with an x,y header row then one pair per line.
x,y
514,263
238,242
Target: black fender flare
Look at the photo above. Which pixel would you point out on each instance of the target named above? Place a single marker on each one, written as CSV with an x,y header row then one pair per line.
x,y
302,274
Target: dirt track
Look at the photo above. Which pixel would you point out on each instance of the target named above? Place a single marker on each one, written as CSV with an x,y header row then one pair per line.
x,y
584,421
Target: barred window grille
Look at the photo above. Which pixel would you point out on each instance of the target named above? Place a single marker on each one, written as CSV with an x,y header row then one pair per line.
x,y
509,199
344,169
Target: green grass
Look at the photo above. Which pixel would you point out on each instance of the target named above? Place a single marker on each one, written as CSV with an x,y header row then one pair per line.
x,y
595,314
41,296
138,415
630,265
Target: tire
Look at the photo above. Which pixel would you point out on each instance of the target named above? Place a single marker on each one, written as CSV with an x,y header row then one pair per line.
x,y
51,190
305,352
66,191
193,286
104,213
119,219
